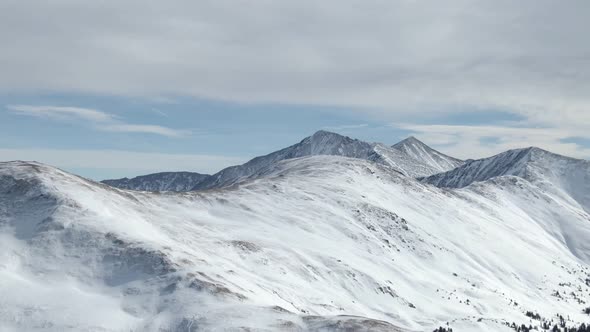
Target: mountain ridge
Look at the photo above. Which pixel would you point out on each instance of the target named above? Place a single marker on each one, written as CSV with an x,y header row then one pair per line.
x,y
312,239
565,176
427,155
328,143
403,159
161,181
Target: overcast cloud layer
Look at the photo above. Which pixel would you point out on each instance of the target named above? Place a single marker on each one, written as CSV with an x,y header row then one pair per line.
x,y
391,58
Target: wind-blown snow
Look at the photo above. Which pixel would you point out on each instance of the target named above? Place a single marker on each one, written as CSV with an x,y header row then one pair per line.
x,y
302,244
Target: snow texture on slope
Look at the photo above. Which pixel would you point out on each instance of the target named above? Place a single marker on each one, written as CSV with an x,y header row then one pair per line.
x,y
428,156
568,178
165,181
319,243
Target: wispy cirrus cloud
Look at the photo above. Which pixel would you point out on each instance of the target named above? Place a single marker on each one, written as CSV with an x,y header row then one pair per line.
x,y
400,58
150,129
401,61
97,119
61,112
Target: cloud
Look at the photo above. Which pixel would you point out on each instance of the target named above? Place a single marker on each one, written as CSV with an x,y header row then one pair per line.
x,y
150,129
97,119
128,161
397,58
60,112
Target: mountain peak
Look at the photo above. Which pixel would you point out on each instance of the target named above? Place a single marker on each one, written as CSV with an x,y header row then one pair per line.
x,y
322,132
326,136
511,162
416,149
410,140
532,163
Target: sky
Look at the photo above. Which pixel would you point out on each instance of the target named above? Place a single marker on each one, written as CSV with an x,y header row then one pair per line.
x,y
108,89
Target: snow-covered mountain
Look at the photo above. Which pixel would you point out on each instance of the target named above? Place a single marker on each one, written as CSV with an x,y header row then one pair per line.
x,y
165,181
438,161
320,143
318,243
409,157
403,160
566,177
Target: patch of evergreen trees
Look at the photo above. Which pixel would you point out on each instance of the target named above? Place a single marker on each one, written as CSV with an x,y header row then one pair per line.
x,y
443,329
561,326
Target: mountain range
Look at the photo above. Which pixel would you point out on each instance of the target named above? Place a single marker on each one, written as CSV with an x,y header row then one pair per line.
x,y
330,234
409,157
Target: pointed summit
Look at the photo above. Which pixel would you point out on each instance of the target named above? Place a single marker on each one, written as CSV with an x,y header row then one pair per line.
x,y
328,143
416,149
410,140
326,137
325,133
320,143
412,143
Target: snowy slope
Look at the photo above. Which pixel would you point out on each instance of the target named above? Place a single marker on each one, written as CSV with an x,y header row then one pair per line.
x,y
566,177
326,143
307,244
438,161
165,181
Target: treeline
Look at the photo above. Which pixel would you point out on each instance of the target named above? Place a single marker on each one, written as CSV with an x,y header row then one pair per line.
x,y
550,325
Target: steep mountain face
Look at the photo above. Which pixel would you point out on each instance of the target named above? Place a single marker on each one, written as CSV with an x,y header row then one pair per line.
x,y
400,161
165,181
566,177
428,156
328,143
320,143
318,243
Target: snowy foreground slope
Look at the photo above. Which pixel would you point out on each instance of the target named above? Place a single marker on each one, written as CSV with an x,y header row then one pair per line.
x,y
321,243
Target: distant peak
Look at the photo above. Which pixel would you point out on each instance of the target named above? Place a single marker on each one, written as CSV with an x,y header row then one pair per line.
x,y
536,152
324,133
536,149
416,149
522,151
412,140
327,136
